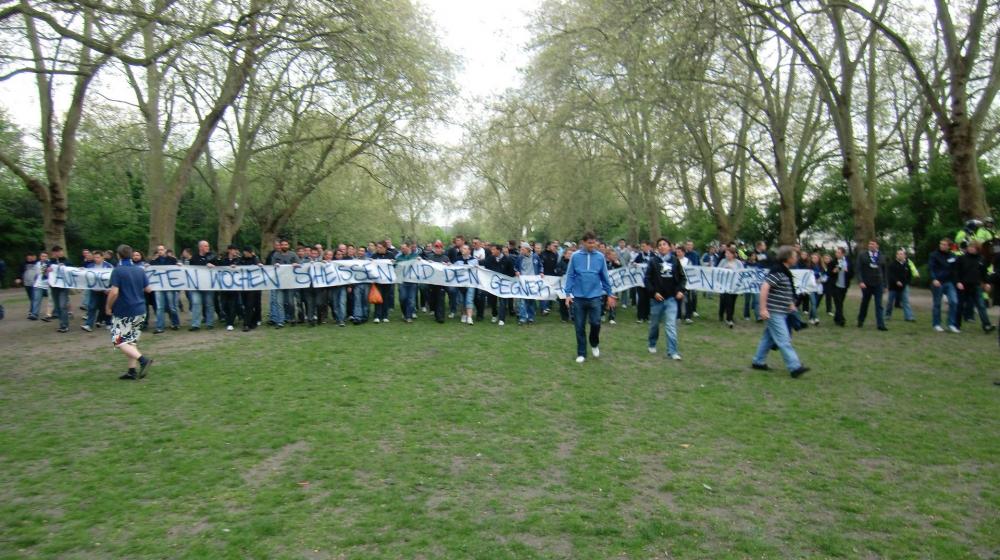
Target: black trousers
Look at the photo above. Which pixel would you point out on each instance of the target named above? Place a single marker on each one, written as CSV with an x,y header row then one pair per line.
x,y
251,309
838,295
230,307
727,306
498,307
435,301
642,306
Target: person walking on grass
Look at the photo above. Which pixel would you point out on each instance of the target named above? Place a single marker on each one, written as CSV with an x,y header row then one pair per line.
x,y
777,302
587,281
665,281
871,269
126,304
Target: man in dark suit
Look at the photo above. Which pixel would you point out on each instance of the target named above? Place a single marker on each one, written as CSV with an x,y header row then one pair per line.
x,y
870,269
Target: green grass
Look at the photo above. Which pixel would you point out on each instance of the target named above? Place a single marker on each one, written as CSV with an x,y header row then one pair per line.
x,y
409,441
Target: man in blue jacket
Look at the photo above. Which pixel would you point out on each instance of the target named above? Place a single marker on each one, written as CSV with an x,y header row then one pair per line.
x,y
587,281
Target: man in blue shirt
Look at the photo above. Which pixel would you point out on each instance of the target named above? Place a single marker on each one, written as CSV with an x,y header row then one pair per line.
x,y
127,306
587,281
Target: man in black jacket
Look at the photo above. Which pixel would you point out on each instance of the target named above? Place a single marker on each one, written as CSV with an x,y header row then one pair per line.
x,y
166,300
870,267
899,276
971,276
550,258
60,296
497,262
644,256
665,282
435,294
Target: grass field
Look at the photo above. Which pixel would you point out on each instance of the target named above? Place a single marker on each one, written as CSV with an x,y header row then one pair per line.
x,y
450,441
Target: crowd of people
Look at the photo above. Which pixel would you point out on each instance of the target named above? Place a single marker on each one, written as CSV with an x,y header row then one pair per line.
x,y
959,275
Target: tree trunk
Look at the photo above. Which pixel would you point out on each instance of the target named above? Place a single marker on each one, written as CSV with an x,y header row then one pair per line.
x,y
861,211
788,232
54,214
960,138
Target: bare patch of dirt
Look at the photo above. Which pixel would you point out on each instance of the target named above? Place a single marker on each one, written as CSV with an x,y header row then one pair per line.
x,y
256,475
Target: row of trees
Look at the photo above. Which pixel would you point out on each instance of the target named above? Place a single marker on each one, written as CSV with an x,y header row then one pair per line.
x,y
760,117
258,117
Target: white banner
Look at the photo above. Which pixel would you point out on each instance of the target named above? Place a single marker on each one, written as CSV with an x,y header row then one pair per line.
x,y
342,273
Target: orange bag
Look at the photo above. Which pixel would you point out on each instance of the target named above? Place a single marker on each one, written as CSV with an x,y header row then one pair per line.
x,y
374,295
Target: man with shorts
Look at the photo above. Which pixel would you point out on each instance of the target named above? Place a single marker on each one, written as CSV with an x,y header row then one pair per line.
x,y
127,307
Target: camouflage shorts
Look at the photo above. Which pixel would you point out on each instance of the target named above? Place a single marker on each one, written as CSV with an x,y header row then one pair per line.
x,y
126,330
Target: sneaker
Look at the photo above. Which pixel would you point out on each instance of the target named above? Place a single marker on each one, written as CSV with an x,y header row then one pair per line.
x,y
246,328
695,315
408,320
729,324
638,321
989,328
938,328
32,317
87,328
580,359
499,323
175,327
798,372
954,329
127,377
493,319
830,313
675,357
276,325
229,327
596,352
385,320
761,367
192,329
451,315
463,318
46,318
144,364
158,331
341,324
652,349
469,322
688,322
612,322
62,330
376,320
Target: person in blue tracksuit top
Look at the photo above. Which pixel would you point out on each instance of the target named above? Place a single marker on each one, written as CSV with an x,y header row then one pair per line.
x,y
587,281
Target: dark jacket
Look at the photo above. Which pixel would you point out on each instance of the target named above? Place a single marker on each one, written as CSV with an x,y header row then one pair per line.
x,y
549,262
248,261
202,260
561,267
942,266
665,276
868,273
500,264
163,261
971,270
899,272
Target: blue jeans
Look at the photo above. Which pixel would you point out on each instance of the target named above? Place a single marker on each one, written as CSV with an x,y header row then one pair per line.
x,y
948,290
666,312
360,302
339,297
903,296
751,299
586,310
813,304
776,334
36,301
166,302
408,299
453,295
60,305
277,306
526,310
470,298
198,301
95,306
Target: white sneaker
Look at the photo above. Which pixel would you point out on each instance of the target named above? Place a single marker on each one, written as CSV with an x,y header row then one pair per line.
x,y
675,357
695,314
954,329
938,328
688,321
86,328
493,319
613,322
462,318
580,359
385,320
652,349
376,321
499,323
229,327
596,352
451,315
469,322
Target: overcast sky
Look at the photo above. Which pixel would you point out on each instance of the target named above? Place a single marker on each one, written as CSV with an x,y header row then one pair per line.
x,y
489,36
